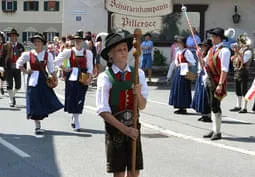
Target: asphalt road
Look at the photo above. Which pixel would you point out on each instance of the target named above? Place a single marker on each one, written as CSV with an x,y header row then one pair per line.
x,y
172,144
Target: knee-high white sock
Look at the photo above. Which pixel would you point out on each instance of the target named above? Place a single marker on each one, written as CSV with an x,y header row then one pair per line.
x,y
37,124
245,103
238,101
218,122
76,121
10,92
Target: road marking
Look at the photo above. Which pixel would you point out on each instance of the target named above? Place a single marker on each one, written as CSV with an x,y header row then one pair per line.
x,y
225,117
186,137
14,148
199,140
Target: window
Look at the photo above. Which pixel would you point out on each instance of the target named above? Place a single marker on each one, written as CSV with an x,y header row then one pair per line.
x,y
50,35
26,36
9,6
31,5
51,5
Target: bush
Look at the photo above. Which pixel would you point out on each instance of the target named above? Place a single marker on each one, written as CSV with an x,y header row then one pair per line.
x,y
159,59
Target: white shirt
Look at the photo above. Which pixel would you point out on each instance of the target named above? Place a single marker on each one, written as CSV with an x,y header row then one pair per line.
x,y
25,57
104,85
246,56
224,56
67,54
188,56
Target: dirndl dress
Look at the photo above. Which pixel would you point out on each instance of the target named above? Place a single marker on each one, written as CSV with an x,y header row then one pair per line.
x,y
74,96
180,93
41,100
200,101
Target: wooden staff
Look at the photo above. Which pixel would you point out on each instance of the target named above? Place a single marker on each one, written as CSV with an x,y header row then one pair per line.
x,y
136,54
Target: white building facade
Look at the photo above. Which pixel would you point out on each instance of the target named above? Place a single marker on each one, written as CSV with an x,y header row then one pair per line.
x,y
62,17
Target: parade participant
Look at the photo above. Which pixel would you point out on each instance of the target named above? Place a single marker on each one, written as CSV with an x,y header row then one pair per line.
x,y
217,65
251,93
10,53
98,46
180,93
240,61
114,100
2,75
78,77
200,100
172,66
147,48
40,98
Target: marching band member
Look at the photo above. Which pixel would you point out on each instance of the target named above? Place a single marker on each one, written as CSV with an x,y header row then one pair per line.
x,y
180,94
240,59
200,100
78,77
10,53
40,98
114,100
217,65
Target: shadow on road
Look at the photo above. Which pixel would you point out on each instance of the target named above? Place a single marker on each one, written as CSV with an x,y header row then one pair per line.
x,y
42,161
250,139
235,122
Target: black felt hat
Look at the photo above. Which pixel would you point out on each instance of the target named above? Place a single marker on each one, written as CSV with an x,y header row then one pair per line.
x,y
217,31
78,35
13,31
114,39
39,36
181,39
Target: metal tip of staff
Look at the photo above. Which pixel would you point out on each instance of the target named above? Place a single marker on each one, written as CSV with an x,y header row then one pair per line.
x,y
184,8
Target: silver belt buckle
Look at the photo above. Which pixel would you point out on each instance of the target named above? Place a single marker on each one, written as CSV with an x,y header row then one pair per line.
x,y
127,115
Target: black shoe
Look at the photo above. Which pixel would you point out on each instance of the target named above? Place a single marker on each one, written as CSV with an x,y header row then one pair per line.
x,y
216,136
207,119
39,131
235,109
209,135
12,105
2,91
181,111
14,101
243,111
201,118
77,130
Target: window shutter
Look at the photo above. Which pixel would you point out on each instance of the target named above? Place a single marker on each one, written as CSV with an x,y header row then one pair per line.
x,y
57,5
25,6
3,5
37,6
45,35
14,5
24,36
45,5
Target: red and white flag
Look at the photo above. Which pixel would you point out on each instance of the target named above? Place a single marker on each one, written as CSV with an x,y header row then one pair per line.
x,y
251,92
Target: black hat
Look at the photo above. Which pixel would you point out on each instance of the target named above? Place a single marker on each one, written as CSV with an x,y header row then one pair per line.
x,y
147,34
13,31
217,31
114,39
207,42
39,36
181,39
78,35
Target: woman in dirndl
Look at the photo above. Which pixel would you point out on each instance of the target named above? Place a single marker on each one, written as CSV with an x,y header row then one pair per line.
x,y
180,93
41,100
200,101
81,61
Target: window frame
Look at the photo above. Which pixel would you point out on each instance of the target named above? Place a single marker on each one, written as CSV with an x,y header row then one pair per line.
x,y
27,9
50,35
5,6
46,6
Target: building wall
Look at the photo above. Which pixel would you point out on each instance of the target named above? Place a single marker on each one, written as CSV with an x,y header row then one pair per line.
x,y
40,21
92,12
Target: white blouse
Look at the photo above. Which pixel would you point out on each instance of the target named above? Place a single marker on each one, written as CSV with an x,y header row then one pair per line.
x,y
104,85
25,57
67,54
188,56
